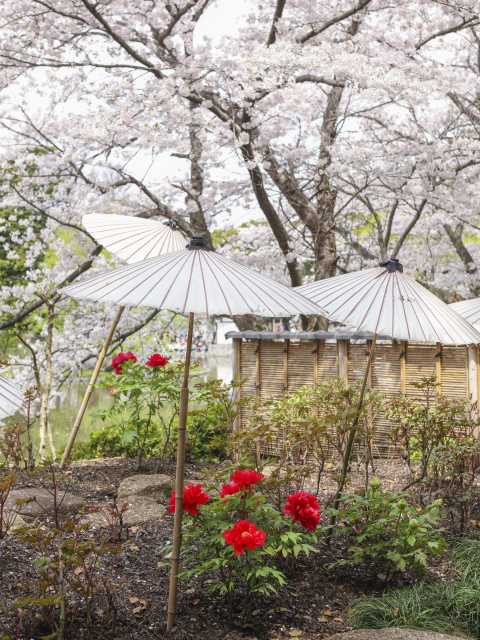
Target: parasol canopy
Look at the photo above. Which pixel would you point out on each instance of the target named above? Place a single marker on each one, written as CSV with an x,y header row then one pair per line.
x,y
385,301
468,309
11,399
195,281
132,238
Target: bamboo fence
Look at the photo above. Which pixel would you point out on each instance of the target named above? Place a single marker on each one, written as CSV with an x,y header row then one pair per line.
x,y
268,365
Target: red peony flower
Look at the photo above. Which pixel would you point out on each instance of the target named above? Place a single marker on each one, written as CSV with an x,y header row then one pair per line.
x,y
193,497
157,360
304,508
120,358
245,478
229,488
244,536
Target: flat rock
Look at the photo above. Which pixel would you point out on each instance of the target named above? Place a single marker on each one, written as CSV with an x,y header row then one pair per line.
x,y
40,502
155,485
140,510
16,523
392,634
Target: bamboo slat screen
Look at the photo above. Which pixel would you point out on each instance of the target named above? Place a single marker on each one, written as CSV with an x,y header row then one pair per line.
x,y
270,365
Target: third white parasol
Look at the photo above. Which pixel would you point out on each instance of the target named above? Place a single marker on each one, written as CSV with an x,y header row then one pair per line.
x,y
11,399
194,281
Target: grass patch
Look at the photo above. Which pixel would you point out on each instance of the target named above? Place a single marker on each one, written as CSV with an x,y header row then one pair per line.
x,y
418,607
445,607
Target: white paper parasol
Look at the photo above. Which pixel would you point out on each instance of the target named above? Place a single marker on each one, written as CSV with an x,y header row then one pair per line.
x,y
195,281
385,301
11,399
192,281
132,238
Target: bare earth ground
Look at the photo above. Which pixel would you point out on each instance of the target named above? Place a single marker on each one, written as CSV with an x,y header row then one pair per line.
x,y
313,606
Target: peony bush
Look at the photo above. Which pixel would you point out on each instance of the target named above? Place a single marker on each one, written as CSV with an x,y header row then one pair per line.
x,y
238,541
142,420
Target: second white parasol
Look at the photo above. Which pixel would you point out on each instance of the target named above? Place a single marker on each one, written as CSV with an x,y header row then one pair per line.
x,y
194,281
132,238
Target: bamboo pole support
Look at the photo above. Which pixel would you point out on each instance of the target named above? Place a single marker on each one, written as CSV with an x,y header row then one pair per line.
x,y
89,390
316,363
237,380
438,369
342,347
403,367
285,365
472,369
179,482
258,368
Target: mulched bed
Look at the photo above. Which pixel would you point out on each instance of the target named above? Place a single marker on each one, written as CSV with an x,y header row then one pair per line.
x,y
313,606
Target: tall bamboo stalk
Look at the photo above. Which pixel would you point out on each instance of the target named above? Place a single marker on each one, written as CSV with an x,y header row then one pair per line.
x,y
179,482
89,390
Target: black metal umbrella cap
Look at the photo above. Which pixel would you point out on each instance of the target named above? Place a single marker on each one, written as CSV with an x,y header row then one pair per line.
x,y
198,242
392,265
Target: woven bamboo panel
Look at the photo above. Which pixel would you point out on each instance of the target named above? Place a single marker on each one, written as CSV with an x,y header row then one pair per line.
x,y
247,370
325,361
455,373
421,363
271,368
301,365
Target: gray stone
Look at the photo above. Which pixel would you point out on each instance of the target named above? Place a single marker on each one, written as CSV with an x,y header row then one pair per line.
x,y
140,510
16,523
155,486
392,634
36,502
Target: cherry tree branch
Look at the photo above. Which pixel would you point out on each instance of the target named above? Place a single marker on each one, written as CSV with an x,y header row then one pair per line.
x,y
28,309
315,31
465,23
277,15
92,9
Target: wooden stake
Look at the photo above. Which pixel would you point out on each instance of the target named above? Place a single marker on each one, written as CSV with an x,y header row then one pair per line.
x,y
89,390
179,482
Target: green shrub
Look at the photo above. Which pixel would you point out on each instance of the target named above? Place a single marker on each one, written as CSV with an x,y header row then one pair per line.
x,y
210,421
438,440
383,529
142,421
304,428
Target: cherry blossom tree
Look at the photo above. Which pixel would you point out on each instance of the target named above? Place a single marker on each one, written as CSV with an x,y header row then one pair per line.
x,y
347,129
